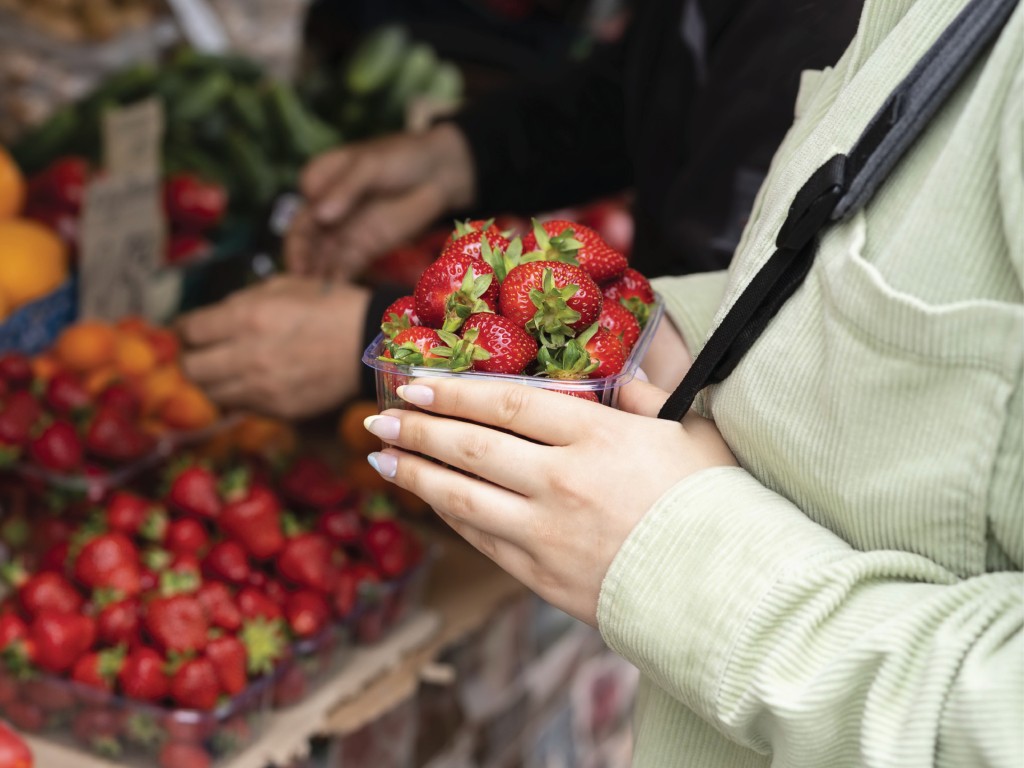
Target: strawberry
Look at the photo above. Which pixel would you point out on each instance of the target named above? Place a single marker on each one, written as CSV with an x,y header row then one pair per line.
x,y
142,675
508,347
633,291
60,639
219,606
265,644
227,560
389,547
57,448
551,300
255,604
195,685
98,669
470,226
605,349
342,526
183,754
132,515
229,661
305,561
310,482
559,237
351,579
109,561
177,623
14,753
307,612
399,315
621,322
15,370
117,623
65,394
468,244
49,693
187,565
17,418
26,716
186,536
453,288
13,629
119,396
193,491
113,436
46,591
254,521
416,346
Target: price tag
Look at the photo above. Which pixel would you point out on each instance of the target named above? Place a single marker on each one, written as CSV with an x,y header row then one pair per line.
x,y
200,25
122,246
132,138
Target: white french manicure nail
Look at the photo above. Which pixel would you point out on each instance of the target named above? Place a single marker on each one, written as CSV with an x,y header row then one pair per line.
x,y
384,463
417,394
384,427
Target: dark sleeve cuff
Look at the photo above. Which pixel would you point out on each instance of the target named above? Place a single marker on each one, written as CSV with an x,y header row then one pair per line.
x,y
380,299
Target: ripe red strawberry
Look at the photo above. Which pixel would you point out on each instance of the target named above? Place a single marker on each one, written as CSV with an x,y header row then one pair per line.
x,y
453,288
509,348
109,561
186,564
98,669
265,643
17,418
594,354
310,482
195,685
65,394
219,605
46,591
621,322
559,237
57,448
418,345
468,244
183,754
229,661
132,515
114,437
389,546
400,314
605,349
307,612
254,604
12,629
469,226
634,292
26,716
14,753
305,561
254,521
15,370
177,623
120,397
142,675
60,639
227,560
117,623
551,300
193,491
186,535
342,526
351,579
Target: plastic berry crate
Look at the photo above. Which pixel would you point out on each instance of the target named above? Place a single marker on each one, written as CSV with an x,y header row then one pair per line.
x,y
390,376
134,733
382,606
310,663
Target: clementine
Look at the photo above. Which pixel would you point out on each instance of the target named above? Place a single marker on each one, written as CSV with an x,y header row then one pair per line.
x,y
86,346
12,186
188,409
33,261
133,354
157,386
351,430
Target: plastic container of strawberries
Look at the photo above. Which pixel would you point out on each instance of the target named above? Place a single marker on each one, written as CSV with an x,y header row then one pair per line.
x,y
390,376
382,606
135,733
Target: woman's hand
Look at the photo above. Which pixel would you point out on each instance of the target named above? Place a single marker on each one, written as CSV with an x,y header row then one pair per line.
x,y
560,482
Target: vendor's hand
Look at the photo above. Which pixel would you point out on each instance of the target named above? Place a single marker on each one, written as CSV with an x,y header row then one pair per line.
x,y
564,481
363,200
288,347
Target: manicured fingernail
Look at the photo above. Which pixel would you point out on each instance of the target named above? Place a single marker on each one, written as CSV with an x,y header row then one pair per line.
x,y
641,375
384,463
417,394
384,427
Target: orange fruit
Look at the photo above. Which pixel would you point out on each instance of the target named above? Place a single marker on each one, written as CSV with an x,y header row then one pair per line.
x,y
262,436
44,366
99,379
134,355
33,261
157,386
188,409
351,431
12,186
5,307
86,346
165,344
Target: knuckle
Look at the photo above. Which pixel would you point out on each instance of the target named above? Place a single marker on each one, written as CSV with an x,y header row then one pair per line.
x,y
472,449
458,503
509,404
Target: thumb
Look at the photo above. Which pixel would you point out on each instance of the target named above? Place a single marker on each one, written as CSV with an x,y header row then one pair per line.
x,y
641,397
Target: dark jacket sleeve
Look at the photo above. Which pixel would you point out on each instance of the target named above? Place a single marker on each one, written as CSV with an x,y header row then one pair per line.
x,y
542,145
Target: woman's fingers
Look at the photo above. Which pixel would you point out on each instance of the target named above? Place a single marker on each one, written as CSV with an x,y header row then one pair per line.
x,y
493,512
547,417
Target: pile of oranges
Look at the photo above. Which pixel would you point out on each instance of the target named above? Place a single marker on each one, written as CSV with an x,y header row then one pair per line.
x,y
135,354
33,259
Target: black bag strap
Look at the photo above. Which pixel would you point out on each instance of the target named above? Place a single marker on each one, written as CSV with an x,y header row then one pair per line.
x,y
840,188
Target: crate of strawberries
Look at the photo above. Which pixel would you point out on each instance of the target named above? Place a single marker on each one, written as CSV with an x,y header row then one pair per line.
x,y
163,628
557,308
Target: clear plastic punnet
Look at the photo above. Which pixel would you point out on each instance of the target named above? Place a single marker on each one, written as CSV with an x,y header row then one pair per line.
x,y
390,376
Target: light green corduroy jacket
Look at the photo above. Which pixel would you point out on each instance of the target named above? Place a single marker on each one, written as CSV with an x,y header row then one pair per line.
x,y
853,594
